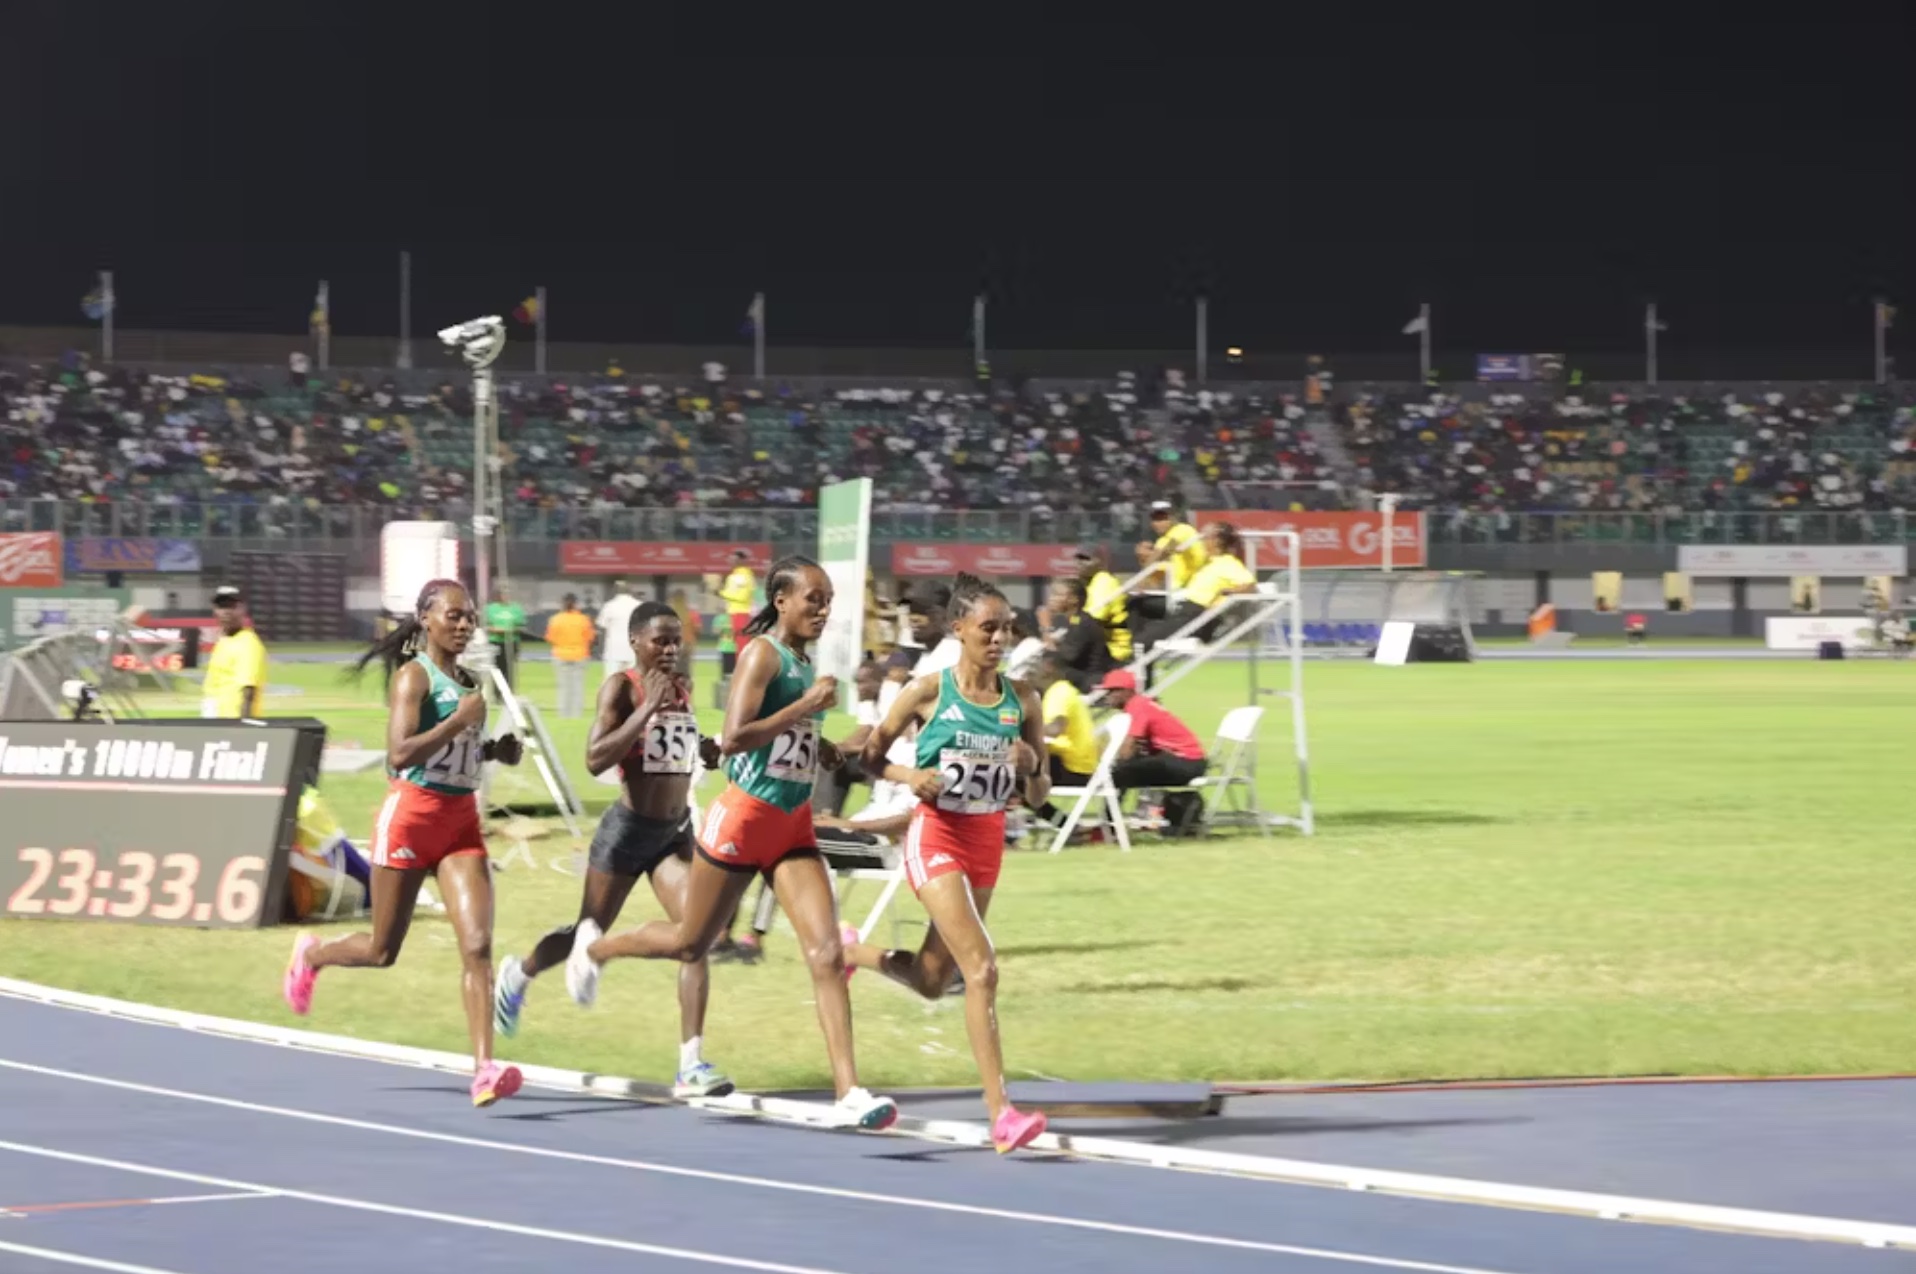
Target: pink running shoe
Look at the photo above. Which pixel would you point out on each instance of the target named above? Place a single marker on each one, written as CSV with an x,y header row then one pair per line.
x,y
495,1082
1014,1129
300,976
847,935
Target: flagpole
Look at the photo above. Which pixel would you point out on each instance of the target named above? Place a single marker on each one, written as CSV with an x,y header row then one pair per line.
x,y
106,319
1423,340
405,310
1650,344
1882,341
539,334
1203,338
758,335
325,350
978,331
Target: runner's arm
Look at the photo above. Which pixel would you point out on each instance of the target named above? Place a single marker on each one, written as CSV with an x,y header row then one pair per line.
x,y
1038,782
904,711
616,728
404,749
757,665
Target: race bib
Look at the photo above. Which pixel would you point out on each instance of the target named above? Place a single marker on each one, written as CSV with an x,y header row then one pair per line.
x,y
671,744
794,757
975,782
457,763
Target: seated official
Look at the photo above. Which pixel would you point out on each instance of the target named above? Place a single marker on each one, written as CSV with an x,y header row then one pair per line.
x,y
1177,551
1158,751
1071,740
1080,642
1222,575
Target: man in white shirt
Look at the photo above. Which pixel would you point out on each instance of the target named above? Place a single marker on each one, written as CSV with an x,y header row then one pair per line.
x,y
614,618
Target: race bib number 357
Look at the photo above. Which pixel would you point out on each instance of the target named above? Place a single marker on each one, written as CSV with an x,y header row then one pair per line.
x,y
975,782
794,755
671,743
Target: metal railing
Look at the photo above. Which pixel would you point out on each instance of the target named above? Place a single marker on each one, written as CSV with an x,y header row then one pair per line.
x,y
359,524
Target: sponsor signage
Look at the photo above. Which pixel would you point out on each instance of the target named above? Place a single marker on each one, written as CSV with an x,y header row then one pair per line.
x,y
94,554
31,559
844,550
1809,632
1793,559
184,824
658,557
1331,540
984,559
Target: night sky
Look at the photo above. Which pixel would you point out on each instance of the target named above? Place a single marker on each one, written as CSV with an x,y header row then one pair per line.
x,y
1536,173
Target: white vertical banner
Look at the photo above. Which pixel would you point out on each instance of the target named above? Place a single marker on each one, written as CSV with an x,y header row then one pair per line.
x,y
844,550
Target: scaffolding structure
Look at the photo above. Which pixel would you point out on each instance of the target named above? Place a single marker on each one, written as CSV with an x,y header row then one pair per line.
x,y
1243,623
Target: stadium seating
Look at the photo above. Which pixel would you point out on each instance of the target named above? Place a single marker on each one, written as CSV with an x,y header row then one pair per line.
x,y
611,456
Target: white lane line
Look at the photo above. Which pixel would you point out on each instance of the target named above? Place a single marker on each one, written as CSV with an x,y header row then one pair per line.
x,y
88,1262
730,1178
421,1214
94,1205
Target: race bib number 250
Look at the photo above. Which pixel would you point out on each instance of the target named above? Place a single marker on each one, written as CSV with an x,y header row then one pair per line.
x,y
975,782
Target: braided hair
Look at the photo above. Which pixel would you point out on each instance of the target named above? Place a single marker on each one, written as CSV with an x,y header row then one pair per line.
x,y
968,590
786,573
407,637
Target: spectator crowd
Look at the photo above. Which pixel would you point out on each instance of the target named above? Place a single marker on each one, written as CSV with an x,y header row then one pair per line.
x,y
119,434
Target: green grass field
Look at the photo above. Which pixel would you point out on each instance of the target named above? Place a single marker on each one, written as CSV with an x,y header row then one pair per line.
x,y
1521,869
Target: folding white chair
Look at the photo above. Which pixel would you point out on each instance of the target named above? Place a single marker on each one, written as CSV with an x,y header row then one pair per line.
x,y
1100,792
1232,775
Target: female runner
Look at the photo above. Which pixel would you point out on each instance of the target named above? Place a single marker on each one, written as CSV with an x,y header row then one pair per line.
x,y
644,726
435,744
762,823
979,732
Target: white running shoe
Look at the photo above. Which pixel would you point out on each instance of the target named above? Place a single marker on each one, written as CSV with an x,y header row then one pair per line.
x,y
859,1109
581,974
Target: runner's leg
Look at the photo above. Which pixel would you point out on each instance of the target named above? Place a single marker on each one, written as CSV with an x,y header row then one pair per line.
x,y
804,891
394,893
465,882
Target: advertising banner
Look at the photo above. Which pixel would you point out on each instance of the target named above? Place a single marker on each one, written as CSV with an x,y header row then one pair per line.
x,y
844,550
1331,540
96,554
164,824
658,557
1785,560
984,559
29,616
31,559
1809,632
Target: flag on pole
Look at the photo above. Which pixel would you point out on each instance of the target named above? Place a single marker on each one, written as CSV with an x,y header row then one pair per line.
x,y
754,316
320,321
527,311
97,303
1419,324
1885,314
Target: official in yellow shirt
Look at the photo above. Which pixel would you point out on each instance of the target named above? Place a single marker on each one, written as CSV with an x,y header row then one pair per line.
x,y
235,684
1177,550
737,592
570,634
1069,734
1105,601
1222,575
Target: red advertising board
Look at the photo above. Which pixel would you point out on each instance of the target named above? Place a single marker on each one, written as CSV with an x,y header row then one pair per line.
x,y
1350,541
658,557
31,559
983,559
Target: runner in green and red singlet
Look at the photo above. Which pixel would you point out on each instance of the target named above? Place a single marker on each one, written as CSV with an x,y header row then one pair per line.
x,y
980,734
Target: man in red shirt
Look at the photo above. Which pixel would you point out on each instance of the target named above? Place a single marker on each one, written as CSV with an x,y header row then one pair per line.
x,y
1158,751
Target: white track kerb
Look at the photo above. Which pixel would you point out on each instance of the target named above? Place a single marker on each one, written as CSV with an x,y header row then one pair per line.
x,y
1104,1149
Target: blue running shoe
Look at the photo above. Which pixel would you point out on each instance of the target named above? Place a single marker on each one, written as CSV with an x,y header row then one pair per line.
x,y
703,1080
